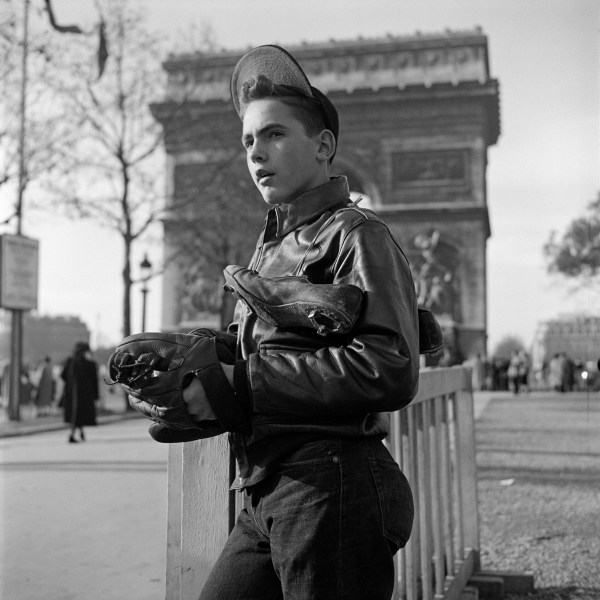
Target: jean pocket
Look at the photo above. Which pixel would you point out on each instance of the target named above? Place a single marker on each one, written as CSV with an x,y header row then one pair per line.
x,y
314,452
395,501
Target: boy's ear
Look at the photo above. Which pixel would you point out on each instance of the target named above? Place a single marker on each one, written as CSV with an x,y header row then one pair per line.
x,y
326,145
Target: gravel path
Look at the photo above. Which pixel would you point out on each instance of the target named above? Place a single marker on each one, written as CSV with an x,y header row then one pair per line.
x,y
538,460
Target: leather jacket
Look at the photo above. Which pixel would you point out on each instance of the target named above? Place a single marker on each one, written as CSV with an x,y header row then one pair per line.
x,y
297,384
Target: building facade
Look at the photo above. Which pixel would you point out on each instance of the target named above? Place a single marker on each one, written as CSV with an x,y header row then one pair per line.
x,y
417,115
578,336
43,336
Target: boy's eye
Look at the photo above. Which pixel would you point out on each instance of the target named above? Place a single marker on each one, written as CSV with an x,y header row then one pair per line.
x,y
274,134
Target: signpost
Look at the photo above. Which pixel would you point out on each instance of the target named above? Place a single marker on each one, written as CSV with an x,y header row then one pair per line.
x,y
18,272
18,292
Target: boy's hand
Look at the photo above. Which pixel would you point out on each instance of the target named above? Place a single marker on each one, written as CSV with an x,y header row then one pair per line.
x,y
197,403
195,398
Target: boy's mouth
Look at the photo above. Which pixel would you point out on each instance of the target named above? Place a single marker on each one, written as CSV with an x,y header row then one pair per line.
x,y
261,175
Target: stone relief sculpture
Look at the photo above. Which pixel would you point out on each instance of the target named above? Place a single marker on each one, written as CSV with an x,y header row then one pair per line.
x,y
435,284
434,280
198,294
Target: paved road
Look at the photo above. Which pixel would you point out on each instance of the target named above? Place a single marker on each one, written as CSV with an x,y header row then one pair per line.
x,y
83,521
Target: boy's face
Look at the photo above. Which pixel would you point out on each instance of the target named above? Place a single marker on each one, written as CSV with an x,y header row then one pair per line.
x,y
283,160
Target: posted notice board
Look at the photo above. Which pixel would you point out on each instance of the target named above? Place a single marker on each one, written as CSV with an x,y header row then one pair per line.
x,y
18,272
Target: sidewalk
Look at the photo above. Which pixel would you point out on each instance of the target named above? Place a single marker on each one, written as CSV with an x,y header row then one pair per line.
x,y
109,410
114,410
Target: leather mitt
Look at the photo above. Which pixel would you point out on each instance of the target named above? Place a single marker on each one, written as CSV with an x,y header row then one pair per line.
x,y
295,301
431,338
154,369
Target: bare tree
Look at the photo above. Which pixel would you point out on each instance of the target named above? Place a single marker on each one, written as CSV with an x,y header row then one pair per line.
x,y
506,346
111,171
25,70
213,222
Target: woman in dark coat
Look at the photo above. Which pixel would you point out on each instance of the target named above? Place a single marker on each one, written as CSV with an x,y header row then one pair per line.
x,y
80,375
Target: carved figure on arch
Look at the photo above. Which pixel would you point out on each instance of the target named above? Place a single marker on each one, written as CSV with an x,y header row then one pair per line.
x,y
434,277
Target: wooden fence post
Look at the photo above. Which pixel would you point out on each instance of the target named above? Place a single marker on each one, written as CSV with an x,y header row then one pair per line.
x,y
465,423
197,513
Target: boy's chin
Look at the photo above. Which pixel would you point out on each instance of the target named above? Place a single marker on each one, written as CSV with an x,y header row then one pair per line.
x,y
271,197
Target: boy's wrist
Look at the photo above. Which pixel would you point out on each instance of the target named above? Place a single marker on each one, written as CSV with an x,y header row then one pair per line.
x,y
228,370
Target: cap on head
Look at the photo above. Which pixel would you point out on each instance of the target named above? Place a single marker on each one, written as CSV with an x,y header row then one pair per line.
x,y
281,68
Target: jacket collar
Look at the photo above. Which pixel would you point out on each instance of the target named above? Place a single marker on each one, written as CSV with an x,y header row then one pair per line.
x,y
310,205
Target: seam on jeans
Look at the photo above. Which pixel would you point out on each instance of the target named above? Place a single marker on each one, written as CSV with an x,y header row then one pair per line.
x,y
254,511
373,467
339,582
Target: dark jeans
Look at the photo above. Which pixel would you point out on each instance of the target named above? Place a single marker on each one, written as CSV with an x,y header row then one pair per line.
x,y
324,527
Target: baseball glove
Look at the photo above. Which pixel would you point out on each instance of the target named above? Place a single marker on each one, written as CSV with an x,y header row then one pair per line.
x,y
154,369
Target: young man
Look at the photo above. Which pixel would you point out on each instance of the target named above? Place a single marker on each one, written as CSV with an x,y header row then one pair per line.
x,y
327,507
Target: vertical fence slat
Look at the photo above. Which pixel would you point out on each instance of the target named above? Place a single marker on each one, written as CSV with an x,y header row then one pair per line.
x,y
411,472
456,480
404,457
436,497
423,459
468,475
204,500
398,430
174,493
447,488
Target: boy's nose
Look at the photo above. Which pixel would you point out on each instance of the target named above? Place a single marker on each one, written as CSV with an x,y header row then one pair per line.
x,y
257,153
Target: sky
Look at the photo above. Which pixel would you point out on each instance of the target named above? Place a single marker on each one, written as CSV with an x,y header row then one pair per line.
x,y
542,172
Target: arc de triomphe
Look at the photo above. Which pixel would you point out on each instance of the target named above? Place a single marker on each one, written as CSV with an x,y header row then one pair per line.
x,y
417,116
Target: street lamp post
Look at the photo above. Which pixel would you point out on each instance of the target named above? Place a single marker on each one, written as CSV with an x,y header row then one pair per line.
x,y
145,267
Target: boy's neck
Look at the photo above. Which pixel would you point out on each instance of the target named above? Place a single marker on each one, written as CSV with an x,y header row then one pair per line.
x,y
299,196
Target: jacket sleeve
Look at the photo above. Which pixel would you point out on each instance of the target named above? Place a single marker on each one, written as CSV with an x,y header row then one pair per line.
x,y
377,369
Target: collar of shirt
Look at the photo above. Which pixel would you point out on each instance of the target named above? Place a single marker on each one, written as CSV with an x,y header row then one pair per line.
x,y
309,205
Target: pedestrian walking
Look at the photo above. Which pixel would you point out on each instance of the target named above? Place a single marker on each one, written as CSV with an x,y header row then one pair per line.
x,y
46,388
524,368
514,370
80,375
477,365
555,373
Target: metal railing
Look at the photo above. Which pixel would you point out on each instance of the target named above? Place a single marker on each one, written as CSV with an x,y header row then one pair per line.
x,y
432,439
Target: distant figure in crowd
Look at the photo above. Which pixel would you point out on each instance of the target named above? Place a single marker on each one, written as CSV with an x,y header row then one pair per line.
x,y
518,371
513,371
561,373
5,383
46,388
555,373
477,365
25,385
27,388
523,372
80,374
499,373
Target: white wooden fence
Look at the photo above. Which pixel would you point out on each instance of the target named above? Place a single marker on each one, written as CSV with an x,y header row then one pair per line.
x,y
432,440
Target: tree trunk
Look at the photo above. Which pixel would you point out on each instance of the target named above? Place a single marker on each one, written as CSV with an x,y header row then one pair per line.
x,y
127,300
